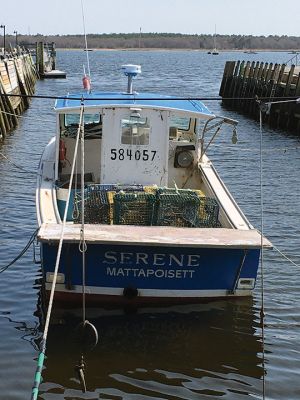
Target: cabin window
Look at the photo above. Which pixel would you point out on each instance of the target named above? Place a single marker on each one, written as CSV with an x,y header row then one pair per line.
x,y
135,130
181,123
73,119
92,125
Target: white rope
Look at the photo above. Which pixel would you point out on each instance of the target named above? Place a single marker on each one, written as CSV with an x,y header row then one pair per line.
x,y
269,150
85,40
61,237
82,244
18,166
262,312
286,257
253,150
24,117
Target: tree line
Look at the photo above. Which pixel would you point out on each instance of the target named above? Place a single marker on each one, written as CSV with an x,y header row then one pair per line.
x,y
164,41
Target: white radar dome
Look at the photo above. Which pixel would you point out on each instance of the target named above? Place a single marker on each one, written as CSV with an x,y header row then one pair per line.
x,y
131,69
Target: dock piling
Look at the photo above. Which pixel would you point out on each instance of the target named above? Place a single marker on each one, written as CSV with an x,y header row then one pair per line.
x,y
244,81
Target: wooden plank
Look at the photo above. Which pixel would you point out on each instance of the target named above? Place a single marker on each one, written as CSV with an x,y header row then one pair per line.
x,y
3,129
155,236
274,112
5,78
243,85
227,77
236,83
257,75
233,84
3,107
9,108
250,84
285,110
19,66
12,74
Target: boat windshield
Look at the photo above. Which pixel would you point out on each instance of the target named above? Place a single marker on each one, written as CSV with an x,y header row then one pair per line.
x,y
92,125
73,119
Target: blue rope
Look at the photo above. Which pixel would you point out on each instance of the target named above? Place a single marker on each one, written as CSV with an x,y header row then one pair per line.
x,y
38,375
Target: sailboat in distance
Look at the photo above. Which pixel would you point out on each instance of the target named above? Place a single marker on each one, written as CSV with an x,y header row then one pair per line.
x,y
214,52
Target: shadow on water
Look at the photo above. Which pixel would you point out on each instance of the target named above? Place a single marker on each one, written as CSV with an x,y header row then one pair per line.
x,y
182,352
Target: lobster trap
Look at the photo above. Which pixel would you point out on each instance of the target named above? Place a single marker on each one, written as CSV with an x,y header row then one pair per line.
x,y
97,206
208,213
186,208
108,204
177,208
134,208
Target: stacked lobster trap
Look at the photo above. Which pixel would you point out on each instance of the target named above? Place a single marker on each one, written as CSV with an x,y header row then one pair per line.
x,y
146,205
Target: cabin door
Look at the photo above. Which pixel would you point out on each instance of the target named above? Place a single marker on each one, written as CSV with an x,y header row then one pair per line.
x,y
134,147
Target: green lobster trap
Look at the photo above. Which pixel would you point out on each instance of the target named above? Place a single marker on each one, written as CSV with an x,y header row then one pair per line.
x,y
107,204
137,208
208,213
97,208
177,208
186,208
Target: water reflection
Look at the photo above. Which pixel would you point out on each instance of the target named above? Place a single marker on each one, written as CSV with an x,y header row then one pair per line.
x,y
186,352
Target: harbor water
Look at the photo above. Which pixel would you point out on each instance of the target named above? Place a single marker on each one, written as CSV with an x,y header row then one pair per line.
x,y
207,351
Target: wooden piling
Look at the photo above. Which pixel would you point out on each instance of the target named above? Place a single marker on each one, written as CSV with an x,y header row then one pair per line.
x,y
244,81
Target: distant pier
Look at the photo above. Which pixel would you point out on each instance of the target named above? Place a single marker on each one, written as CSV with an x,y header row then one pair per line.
x,y
244,80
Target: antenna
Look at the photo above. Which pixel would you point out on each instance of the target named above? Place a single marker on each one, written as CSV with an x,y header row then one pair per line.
x,y
131,71
85,40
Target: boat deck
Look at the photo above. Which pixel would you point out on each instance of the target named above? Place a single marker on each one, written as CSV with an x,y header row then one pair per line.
x,y
155,236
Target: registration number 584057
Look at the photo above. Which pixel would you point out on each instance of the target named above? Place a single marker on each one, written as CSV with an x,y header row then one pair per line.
x,y
129,154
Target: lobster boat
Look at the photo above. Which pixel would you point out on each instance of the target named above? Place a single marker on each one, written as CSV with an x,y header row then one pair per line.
x,y
130,207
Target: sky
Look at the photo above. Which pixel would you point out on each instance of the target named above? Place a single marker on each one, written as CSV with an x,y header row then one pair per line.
x,y
252,17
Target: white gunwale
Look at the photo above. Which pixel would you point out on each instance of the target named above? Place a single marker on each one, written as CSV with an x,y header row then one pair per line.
x,y
155,235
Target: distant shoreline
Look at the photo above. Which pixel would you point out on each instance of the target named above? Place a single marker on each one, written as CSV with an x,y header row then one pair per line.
x,y
165,41
181,49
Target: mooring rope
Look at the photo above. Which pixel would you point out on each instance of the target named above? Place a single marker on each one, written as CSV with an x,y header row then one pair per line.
x,y
20,255
18,166
253,150
262,310
82,244
40,363
286,257
194,98
25,116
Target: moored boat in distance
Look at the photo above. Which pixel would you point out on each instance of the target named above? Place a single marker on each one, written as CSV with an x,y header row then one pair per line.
x,y
214,51
143,217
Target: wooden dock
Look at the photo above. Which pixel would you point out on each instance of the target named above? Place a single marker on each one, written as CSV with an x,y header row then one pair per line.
x,y
243,81
18,75
17,78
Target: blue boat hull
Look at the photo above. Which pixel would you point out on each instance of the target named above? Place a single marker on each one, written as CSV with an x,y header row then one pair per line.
x,y
151,273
